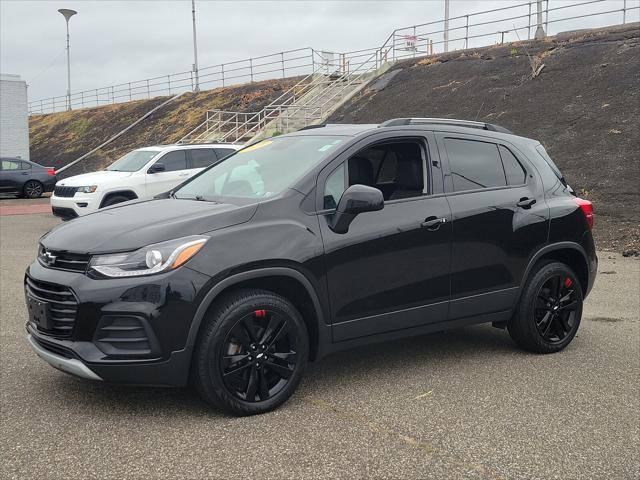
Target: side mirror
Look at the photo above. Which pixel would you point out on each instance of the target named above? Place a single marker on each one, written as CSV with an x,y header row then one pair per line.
x,y
156,167
355,200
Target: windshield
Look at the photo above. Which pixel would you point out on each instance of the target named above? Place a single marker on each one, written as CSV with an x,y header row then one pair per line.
x,y
133,161
261,170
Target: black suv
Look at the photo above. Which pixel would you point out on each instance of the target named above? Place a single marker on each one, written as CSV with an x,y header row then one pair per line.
x,y
310,243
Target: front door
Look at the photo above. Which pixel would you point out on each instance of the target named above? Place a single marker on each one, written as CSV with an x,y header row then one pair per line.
x,y
176,171
390,271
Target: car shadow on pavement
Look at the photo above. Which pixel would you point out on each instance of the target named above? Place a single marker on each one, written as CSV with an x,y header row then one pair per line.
x,y
427,351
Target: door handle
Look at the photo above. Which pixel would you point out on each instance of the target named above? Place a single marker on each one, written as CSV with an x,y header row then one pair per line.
x,y
183,175
433,223
24,173
526,202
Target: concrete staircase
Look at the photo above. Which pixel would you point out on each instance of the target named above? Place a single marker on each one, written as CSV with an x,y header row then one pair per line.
x,y
309,102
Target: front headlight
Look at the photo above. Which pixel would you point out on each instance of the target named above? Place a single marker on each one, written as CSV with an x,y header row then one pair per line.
x,y
87,189
148,260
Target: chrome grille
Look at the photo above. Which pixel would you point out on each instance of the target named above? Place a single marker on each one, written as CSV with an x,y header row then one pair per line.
x,y
63,260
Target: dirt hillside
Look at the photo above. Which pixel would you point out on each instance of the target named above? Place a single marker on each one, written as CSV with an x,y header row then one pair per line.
x,y
59,138
584,107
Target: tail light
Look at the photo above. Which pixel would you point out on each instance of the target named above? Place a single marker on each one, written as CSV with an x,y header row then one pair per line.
x,y
587,209
51,171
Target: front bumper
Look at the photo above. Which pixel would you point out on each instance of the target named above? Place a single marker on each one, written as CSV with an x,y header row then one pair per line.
x,y
76,206
72,366
126,330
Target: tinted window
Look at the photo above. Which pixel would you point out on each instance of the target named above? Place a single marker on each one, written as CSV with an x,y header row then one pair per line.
x,y
10,165
512,169
334,188
202,157
474,164
173,161
25,166
224,152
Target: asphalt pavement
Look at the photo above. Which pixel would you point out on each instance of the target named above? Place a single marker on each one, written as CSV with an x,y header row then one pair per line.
x,y
461,404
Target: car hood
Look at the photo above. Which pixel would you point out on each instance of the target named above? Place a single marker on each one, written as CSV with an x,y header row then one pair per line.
x,y
93,178
134,225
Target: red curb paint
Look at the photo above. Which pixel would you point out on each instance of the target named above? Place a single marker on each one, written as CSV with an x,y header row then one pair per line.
x,y
24,209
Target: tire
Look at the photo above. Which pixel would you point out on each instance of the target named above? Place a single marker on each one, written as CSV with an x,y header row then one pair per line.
x,y
253,344
33,189
115,199
550,309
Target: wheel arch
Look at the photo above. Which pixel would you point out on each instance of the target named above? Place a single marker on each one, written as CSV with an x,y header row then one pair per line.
x,y
130,194
285,281
569,253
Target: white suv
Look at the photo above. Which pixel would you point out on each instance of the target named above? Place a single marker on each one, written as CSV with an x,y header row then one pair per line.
x,y
141,173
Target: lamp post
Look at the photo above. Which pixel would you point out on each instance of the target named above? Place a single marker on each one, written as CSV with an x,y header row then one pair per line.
x,y
195,46
446,25
539,29
67,15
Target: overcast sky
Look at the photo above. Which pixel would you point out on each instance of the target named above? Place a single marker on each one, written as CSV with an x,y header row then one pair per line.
x,y
119,41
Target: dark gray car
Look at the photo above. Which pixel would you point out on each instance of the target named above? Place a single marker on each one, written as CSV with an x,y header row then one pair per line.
x,y
24,178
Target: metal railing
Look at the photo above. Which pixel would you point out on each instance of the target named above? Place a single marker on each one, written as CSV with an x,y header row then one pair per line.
x,y
515,22
306,102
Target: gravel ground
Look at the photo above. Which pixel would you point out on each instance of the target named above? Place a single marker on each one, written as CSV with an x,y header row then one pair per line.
x,y
461,404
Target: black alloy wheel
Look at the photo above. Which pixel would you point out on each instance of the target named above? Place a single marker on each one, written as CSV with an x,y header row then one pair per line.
x,y
556,307
33,189
251,352
259,356
550,309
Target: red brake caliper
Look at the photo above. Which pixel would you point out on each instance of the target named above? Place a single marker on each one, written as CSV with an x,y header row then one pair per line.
x,y
567,282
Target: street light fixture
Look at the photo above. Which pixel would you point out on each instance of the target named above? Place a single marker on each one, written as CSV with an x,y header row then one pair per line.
x,y
67,13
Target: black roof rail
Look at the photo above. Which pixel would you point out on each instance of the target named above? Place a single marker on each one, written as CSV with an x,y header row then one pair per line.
x,y
395,122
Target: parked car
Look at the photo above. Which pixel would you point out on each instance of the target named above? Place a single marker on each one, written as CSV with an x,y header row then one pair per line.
x,y
24,178
141,173
310,243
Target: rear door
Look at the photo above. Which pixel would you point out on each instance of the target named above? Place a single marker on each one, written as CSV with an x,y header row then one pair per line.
x,y
176,171
390,271
499,217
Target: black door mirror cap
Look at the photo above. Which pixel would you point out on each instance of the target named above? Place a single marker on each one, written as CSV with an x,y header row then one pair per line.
x,y
355,200
156,167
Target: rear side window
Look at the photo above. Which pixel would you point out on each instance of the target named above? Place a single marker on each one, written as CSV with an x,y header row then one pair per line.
x,y
25,166
512,168
203,157
474,164
543,153
224,152
172,161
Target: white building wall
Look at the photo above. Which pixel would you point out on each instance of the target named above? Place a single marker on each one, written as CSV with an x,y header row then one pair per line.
x,y
14,117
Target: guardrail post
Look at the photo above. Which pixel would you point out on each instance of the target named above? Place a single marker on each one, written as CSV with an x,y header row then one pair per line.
x,y
529,23
624,12
546,18
313,61
282,60
169,82
222,70
82,98
129,91
97,99
539,29
251,68
148,91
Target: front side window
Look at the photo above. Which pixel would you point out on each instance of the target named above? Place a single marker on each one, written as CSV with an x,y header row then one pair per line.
x,y
132,161
262,170
10,165
474,164
335,187
174,161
